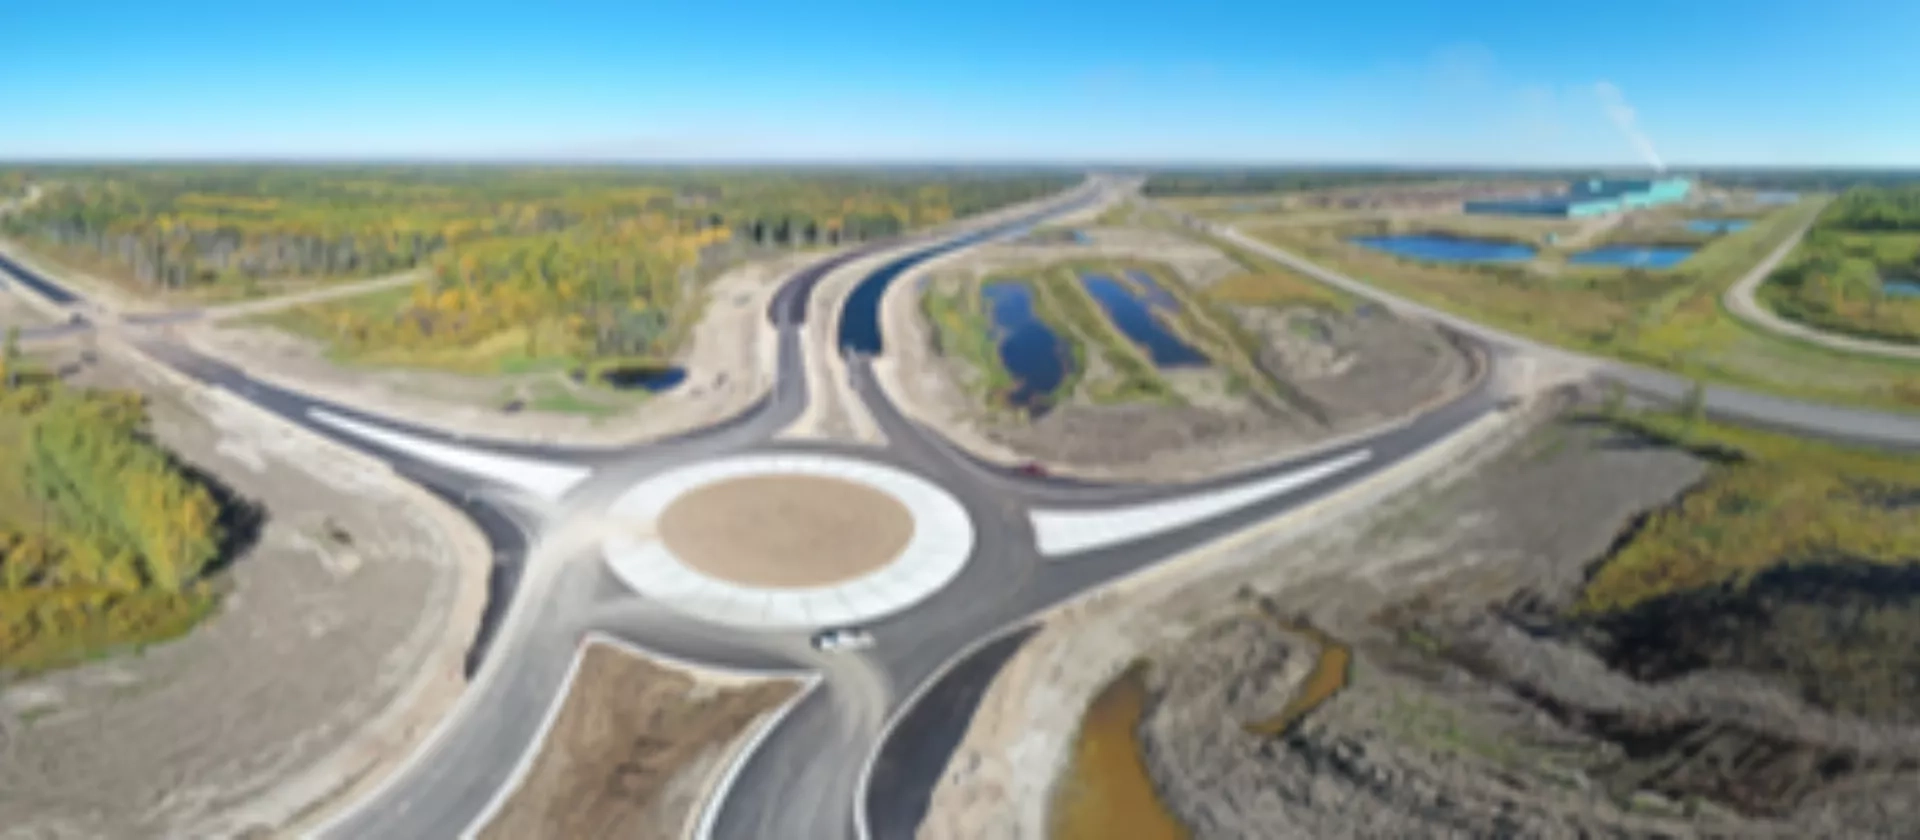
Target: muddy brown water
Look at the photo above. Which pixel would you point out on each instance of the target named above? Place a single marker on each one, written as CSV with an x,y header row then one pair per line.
x,y
1330,672
1107,793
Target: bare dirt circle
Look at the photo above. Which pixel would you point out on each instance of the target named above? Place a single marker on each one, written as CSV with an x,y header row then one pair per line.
x,y
785,530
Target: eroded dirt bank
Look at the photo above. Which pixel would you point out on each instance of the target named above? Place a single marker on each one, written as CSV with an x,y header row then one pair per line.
x,y
1478,703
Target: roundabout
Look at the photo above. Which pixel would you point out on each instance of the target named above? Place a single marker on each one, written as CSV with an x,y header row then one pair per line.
x,y
788,541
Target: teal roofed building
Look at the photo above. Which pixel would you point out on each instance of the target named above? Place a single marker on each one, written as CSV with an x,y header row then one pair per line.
x,y
1591,197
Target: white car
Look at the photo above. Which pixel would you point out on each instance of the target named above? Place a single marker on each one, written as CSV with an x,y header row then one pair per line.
x,y
842,638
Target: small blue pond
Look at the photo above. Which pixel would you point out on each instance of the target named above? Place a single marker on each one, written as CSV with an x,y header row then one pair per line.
x,y
1134,314
1440,248
1718,225
1029,350
1900,288
641,378
1635,256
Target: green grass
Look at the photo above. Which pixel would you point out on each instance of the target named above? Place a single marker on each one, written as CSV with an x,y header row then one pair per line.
x,y
1672,319
1769,500
1832,283
963,329
1133,377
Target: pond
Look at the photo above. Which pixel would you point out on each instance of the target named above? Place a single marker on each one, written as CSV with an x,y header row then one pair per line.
x,y
1635,256
1035,357
1718,225
1137,316
1442,248
1900,287
651,378
1108,791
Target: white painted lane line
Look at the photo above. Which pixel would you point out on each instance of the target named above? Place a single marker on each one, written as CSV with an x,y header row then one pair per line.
x,y
1062,532
547,480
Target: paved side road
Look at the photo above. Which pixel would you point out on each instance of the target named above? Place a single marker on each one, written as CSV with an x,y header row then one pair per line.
x,y
1851,425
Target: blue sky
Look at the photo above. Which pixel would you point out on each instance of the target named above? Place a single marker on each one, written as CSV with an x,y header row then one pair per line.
x,y
1347,81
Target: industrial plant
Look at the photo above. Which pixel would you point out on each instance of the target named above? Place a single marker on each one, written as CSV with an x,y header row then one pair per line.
x,y
1592,197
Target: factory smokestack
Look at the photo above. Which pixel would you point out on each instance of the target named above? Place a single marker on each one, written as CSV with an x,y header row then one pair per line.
x,y
1623,117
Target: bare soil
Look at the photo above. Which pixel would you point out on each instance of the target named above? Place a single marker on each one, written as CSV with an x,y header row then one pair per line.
x,y
729,362
786,531
328,654
1346,374
1466,713
635,749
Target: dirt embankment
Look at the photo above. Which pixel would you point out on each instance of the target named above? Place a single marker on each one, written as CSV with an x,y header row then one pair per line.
x,y
729,364
1476,706
635,750
1343,374
338,643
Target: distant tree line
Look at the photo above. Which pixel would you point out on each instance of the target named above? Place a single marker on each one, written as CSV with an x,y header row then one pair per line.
x,y
182,227
1874,209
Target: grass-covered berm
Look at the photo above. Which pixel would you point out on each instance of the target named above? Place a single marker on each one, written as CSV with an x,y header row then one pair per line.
x,y
105,541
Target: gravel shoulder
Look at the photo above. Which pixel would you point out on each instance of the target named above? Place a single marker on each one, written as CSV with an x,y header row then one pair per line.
x,y
730,363
339,644
636,748
1351,373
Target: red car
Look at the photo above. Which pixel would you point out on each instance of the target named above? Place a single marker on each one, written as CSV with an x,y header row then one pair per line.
x,y
1032,469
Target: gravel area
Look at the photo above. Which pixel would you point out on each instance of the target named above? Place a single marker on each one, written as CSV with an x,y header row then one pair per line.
x,y
786,531
338,645
1349,375
729,362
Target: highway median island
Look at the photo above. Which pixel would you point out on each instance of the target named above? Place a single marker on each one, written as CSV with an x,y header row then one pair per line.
x,y
1143,354
636,749
1618,622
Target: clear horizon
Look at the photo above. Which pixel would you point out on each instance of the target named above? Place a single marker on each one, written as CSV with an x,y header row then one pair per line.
x,y
1714,84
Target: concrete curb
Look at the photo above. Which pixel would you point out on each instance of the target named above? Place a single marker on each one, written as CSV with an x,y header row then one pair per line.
x,y
368,757
723,788
524,765
861,825
1295,524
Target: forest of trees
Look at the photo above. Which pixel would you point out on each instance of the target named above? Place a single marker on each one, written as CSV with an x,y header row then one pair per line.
x,y
1837,280
104,540
610,290
1869,209
185,227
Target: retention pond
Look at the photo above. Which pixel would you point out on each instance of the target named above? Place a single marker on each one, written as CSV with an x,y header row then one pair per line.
x,y
1635,256
1718,225
1434,247
1137,314
1035,357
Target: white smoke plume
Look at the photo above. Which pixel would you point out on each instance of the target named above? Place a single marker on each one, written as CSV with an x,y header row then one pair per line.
x,y
1622,115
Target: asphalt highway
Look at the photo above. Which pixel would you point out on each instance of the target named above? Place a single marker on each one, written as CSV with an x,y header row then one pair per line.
x,y
804,780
